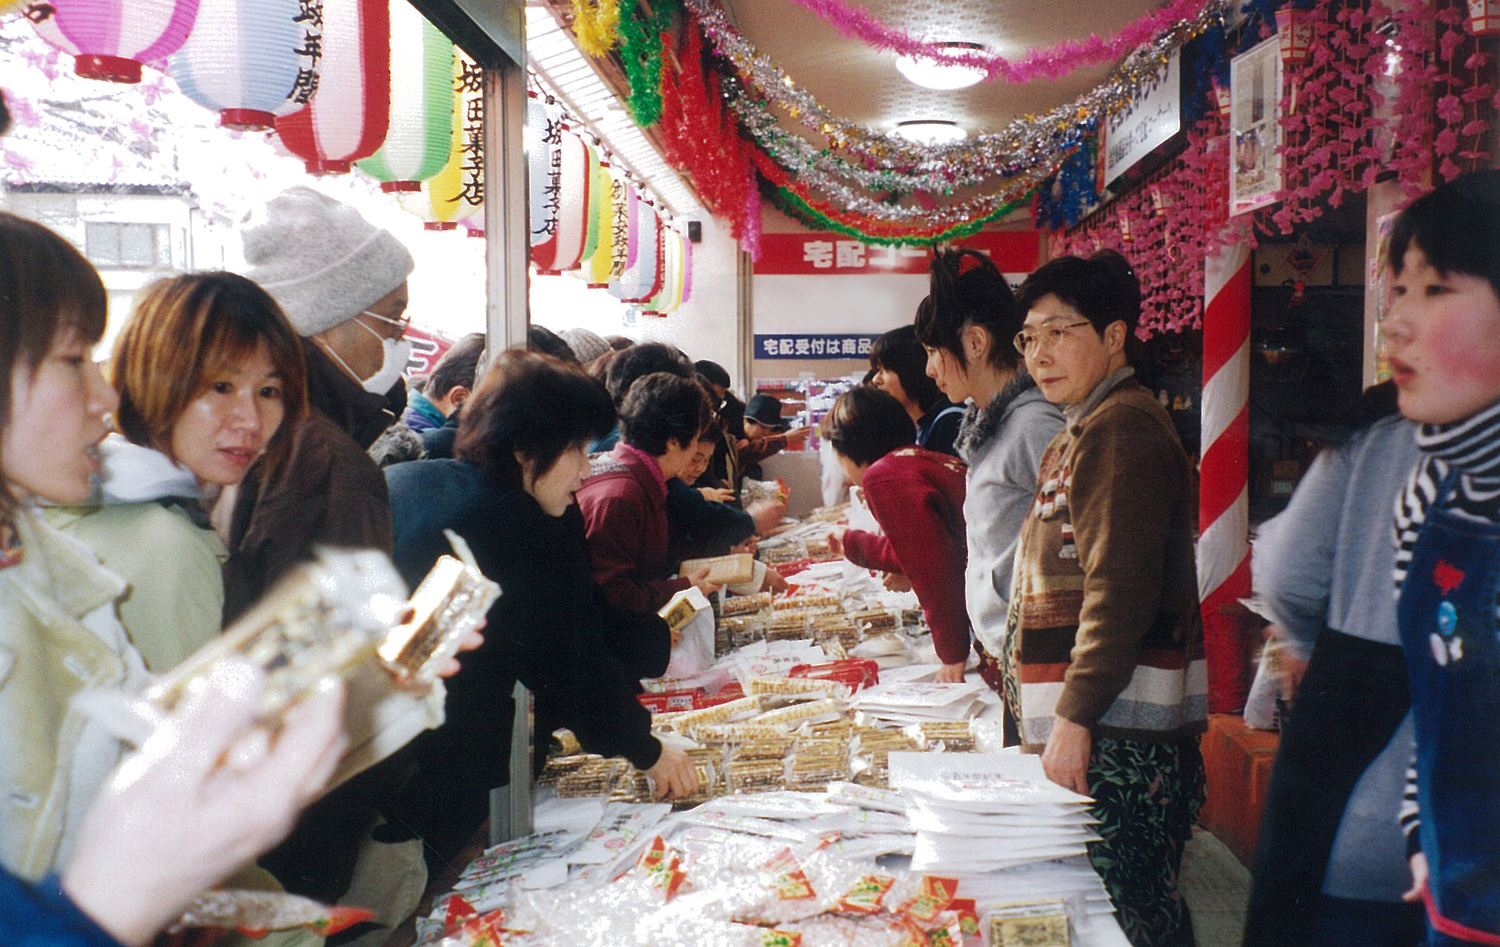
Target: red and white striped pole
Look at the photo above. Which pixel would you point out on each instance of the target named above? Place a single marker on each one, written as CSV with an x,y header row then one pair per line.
x,y
1223,493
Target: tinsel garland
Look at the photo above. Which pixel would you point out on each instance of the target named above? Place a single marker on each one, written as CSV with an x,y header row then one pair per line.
x,y
596,24
880,230
701,136
798,209
1024,143
640,52
1053,62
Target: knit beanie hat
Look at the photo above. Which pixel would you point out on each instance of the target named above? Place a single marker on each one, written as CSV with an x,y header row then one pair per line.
x,y
585,344
321,261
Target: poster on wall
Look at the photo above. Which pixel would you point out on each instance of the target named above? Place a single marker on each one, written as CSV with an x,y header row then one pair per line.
x,y
1255,105
1132,134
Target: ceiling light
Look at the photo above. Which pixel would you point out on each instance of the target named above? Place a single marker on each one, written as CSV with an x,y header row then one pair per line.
x,y
931,132
934,75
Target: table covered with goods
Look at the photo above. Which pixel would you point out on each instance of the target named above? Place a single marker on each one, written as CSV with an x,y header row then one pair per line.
x,y
844,797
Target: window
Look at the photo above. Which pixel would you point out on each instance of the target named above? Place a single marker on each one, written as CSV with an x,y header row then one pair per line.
x,y
138,246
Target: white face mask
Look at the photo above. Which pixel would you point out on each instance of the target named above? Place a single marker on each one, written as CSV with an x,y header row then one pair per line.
x,y
393,361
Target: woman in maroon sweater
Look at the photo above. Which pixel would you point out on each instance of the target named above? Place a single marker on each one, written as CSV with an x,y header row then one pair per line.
x,y
917,496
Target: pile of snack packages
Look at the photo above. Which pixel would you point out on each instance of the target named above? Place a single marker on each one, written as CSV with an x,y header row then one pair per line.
x,y
845,799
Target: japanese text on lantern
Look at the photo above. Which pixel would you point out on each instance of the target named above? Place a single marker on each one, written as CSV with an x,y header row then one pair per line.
x,y
471,83
305,85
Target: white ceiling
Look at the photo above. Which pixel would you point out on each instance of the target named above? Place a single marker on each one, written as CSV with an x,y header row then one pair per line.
x,y
862,84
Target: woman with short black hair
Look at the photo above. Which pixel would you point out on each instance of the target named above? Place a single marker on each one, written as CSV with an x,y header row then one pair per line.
x,y
899,368
624,500
917,497
509,493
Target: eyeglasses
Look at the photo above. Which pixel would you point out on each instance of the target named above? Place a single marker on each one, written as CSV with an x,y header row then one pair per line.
x,y
401,324
1027,339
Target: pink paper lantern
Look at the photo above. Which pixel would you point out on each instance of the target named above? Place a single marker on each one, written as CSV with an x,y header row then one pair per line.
x,y
1484,17
111,39
1294,34
347,118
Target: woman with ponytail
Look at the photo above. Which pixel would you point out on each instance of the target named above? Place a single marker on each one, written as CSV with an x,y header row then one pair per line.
x,y
966,326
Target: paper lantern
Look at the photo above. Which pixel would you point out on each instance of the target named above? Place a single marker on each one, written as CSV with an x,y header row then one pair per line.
x,y
457,191
670,293
421,128
1294,34
591,220
687,270
418,203
110,39
1484,17
652,264
638,282
248,60
347,119
571,184
632,215
543,135
598,267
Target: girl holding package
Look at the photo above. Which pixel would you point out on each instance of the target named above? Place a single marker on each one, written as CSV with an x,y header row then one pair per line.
x,y
1444,337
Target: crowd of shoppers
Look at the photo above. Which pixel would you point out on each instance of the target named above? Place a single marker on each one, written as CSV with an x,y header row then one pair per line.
x,y
1054,555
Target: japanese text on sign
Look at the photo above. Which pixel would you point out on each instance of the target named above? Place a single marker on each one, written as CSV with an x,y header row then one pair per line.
x,y
822,345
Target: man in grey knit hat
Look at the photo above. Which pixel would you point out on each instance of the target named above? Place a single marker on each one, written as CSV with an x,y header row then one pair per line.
x,y
342,283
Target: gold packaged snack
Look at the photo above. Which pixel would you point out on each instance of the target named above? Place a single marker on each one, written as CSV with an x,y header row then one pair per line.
x,y
773,748
567,742
828,514
737,605
735,733
557,767
836,730
451,601
955,736
324,618
876,620
1029,924
783,554
755,775
819,549
594,778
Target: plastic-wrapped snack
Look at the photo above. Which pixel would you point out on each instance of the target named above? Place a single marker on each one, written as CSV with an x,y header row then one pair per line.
x,y
743,631
557,767
738,605
834,930
591,779
719,713
787,626
880,800
841,730
828,514
717,734
803,881
773,749
1027,924
256,913
567,742
826,628
783,554
817,711
324,618
799,687
816,763
755,775
809,600
952,736
709,765
630,785
451,601
873,621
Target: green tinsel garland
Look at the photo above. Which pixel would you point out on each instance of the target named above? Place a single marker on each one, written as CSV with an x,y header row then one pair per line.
x,y
792,205
640,51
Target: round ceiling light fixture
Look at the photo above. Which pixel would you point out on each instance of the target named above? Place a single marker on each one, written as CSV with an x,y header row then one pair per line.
x,y
933,75
929,131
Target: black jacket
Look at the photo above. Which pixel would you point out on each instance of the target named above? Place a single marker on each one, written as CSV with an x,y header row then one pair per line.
x,y
550,629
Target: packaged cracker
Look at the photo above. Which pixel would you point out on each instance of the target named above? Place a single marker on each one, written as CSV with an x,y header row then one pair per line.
x,y
741,605
722,713
754,775
771,749
817,711
1027,924
732,734
591,779
802,688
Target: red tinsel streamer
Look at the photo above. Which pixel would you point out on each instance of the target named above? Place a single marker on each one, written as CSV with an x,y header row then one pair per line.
x,y
701,136
1336,140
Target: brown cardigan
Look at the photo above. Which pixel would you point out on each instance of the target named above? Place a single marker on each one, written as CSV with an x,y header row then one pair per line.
x,y
1104,626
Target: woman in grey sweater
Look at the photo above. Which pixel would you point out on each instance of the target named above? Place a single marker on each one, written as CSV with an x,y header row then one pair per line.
x,y
966,326
1331,862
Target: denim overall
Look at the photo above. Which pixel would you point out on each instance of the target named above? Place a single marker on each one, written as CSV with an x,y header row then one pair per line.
x,y
1447,616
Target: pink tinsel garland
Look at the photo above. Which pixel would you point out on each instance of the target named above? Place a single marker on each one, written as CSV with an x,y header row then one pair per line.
x,y
1050,63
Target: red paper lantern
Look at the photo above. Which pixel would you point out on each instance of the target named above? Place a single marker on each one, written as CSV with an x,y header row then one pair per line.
x,y
1484,17
1294,34
350,113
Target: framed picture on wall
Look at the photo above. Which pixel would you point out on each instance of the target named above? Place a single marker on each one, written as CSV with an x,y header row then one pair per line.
x,y
1254,132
